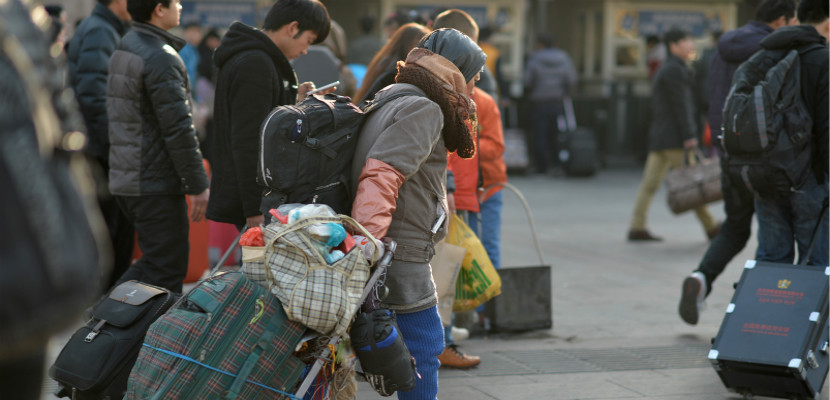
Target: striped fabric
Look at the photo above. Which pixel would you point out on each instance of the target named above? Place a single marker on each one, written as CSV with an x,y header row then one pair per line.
x,y
320,296
219,324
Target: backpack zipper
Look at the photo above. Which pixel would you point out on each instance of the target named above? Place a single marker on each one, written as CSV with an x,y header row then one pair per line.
x,y
318,188
265,174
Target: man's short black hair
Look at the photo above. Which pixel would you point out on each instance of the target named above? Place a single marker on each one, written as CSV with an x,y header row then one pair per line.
x,y
367,24
142,10
54,10
813,11
311,15
770,10
546,40
674,35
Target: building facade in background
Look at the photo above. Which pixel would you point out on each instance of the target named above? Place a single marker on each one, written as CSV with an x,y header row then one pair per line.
x,y
605,38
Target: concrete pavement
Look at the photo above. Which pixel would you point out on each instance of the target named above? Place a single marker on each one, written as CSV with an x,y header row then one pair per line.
x,y
616,333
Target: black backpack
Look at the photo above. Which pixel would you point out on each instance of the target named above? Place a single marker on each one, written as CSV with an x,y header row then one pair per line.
x,y
767,129
305,152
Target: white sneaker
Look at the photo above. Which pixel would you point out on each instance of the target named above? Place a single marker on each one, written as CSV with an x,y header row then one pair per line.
x,y
692,298
459,334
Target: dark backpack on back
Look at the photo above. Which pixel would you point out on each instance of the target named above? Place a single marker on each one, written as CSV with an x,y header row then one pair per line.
x,y
305,153
767,129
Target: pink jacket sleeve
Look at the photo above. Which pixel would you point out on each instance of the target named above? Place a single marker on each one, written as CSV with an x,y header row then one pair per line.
x,y
377,196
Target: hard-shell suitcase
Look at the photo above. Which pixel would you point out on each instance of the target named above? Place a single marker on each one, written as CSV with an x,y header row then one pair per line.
x,y
96,361
577,147
227,338
774,338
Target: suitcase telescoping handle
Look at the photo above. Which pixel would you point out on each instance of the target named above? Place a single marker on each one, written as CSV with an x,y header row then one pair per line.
x,y
570,116
816,229
228,252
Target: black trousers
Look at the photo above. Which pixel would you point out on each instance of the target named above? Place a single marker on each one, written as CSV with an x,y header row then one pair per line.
x,y
122,236
162,227
21,377
121,232
739,205
546,134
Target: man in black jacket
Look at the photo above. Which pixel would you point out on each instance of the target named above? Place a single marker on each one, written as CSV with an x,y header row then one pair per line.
x,y
254,77
673,129
784,224
88,55
154,153
733,48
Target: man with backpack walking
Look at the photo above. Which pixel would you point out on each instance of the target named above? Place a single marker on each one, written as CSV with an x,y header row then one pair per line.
x,y
254,77
733,48
787,221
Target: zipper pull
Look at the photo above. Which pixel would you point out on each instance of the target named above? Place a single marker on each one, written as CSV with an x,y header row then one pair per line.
x,y
314,199
298,130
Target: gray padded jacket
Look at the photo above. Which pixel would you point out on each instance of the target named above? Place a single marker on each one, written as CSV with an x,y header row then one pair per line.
x,y
153,144
406,134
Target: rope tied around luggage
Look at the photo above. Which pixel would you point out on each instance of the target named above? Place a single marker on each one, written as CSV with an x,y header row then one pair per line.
x,y
186,358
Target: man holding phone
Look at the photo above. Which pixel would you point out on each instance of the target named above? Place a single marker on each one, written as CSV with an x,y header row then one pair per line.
x,y
254,77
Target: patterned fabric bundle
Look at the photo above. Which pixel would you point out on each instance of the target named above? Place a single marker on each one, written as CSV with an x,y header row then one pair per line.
x,y
321,296
227,338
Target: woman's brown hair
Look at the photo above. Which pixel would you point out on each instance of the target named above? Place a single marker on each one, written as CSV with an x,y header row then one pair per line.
x,y
396,49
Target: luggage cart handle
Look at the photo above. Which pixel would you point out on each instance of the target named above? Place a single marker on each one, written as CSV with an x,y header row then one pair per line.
x,y
389,247
527,210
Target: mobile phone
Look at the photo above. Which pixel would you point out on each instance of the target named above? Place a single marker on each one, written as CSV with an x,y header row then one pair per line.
x,y
326,87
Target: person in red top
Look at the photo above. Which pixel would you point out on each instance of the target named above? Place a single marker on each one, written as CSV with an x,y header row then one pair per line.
x,y
490,156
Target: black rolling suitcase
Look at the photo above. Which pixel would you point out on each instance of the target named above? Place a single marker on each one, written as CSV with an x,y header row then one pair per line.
x,y
95,363
97,360
577,146
774,338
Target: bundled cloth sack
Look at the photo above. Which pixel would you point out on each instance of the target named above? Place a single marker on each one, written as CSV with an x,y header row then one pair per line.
x,y
319,280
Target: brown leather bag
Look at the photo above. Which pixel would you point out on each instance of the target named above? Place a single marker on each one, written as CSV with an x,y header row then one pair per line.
x,y
695,183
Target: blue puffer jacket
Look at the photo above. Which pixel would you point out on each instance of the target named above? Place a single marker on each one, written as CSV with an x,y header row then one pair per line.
x,y
734,47
88,55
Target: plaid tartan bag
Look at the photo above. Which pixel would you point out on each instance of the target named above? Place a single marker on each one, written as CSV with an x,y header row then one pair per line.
x,y
228,338
320,296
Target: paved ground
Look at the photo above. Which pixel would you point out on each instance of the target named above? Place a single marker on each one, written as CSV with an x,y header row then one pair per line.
x,y
616,333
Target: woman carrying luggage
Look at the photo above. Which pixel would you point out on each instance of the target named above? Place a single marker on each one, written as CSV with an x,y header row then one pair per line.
x,y
400,173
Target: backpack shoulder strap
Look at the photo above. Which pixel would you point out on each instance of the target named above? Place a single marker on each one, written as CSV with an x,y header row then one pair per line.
x,y
375,104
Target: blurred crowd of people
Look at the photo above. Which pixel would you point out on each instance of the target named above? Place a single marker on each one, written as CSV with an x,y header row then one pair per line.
x,y
156,106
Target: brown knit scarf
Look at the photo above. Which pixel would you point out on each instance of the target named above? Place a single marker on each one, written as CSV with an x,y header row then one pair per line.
x,y
443,83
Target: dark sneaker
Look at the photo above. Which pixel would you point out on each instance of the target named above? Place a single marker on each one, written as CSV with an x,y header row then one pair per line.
x,y
642,235
452,358
692,298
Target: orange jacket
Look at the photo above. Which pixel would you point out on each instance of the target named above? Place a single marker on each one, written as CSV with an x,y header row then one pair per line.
x,y
466,181
489,149
491,141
